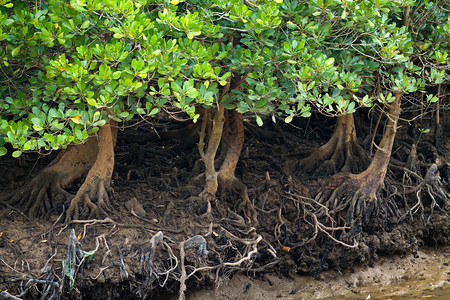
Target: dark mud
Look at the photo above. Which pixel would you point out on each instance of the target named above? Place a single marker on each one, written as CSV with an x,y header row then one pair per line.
x,y
157,240
422,275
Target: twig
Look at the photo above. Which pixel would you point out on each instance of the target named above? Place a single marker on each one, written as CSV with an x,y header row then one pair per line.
x,y
183,273
7,296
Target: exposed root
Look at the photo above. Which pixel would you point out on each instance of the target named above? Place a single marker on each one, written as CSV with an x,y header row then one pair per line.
x,y
47,190
433,187
91,201
244,206
351,201
341,153
42,194
73,262
4,295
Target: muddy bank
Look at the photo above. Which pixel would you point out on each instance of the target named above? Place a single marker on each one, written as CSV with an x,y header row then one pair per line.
x,y
157,239
425,274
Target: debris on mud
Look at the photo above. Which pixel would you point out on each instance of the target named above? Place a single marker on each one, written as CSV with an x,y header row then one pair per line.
x,y
157,240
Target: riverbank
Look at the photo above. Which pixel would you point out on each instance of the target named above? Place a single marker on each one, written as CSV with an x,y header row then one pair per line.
x,y
422,275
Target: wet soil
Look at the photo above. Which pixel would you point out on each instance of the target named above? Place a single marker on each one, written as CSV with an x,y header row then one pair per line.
x,y
424,274
126,257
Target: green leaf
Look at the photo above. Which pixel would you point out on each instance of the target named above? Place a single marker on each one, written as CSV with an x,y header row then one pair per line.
x,y
306,114
351,106
259,121
15,51
116,75
289,119
329,61
123,114
291,25
193,93
154,111
91,102
3,151
16,153
85,24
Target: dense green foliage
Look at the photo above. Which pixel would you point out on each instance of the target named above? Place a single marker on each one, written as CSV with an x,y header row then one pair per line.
x,y
67,67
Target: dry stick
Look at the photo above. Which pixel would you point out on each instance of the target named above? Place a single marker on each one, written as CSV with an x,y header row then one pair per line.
x,y
101,271
11,267
172,256
51,257
122,264
277,229
375,132
7,296
142,218
97,241
323,229
231,264
183,273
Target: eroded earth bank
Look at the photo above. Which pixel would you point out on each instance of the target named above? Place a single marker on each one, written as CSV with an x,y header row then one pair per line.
x,y
159,238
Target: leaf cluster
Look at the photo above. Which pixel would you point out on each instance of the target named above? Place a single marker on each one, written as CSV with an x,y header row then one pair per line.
x,y
69,66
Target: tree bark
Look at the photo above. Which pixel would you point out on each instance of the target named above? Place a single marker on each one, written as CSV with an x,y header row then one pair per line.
x,y
214,137
341,153
47,189
231,134
234,141
357,193
92,197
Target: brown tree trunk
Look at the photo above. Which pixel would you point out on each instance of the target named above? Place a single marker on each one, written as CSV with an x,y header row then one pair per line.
x,y
357,193
234,140
377,169
231,134
47,189
341,153
92,198
213,136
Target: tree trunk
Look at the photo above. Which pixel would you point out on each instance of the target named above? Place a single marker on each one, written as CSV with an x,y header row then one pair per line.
x,y
377,169
231,134
357,193
213,136
92,198
234,140
341,153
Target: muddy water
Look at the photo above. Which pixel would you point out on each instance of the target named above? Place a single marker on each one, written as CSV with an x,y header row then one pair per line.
x,y
425,275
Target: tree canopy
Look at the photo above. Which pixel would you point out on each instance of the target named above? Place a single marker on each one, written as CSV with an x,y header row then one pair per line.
x,y
67,67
